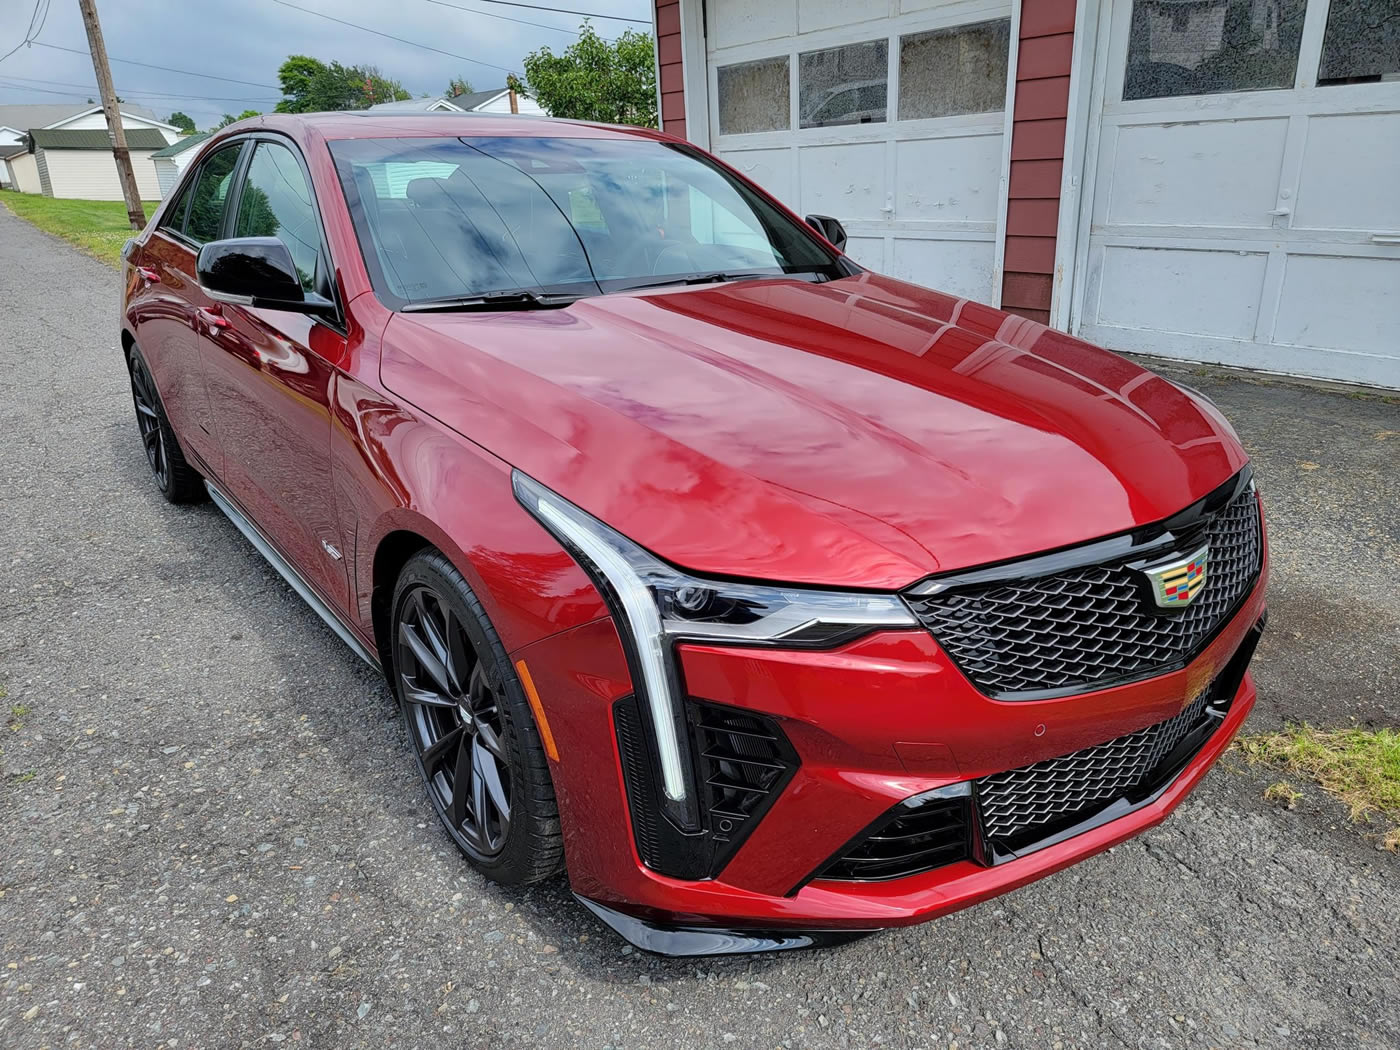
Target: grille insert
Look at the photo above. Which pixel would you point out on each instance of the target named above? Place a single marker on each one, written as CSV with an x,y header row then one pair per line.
x,y
918,835
1029,803
744,762
1090,625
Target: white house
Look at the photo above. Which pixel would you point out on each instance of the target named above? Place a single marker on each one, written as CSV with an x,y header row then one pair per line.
x,y
497,100
171,161
66,158
1212,180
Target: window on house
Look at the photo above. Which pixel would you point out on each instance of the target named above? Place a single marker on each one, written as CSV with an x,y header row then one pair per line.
x,y
843,85
1212,47
754,96
948,72
1362,42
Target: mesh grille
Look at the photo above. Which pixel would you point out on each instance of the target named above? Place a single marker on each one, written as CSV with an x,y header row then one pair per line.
x,y
1090,624
1059,789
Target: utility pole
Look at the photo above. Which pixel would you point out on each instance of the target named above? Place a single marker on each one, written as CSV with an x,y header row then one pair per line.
x,y
134,211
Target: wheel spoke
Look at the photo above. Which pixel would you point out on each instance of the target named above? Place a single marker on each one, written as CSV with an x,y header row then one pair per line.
x,y
488,738
482,760
151,438
478,780
426,658
440,649
414,695
443,748
462,779
145,409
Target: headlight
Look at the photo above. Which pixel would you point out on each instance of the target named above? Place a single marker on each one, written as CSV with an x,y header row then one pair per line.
x,y
656,604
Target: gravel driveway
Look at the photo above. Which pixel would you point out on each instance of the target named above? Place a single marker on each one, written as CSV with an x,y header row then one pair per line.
x,y
213,836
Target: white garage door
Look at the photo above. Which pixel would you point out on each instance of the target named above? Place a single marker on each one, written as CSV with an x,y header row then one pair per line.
x,y
892,124
1246,196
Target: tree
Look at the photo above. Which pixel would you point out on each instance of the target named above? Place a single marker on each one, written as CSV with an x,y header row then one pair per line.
x,y
181,121
595,80
310,85
229,118
459,86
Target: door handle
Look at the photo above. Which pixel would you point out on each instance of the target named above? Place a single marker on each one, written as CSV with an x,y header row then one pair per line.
x,y
213,316
1280,212
1385,238
148,275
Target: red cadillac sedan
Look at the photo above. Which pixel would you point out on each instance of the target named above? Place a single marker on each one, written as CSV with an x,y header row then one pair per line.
x,y
775,600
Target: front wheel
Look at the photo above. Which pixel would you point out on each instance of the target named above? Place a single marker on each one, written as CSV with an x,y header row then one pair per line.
x,y
470,726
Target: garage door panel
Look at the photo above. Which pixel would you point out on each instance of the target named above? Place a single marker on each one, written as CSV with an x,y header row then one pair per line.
x,y
1341,302
1364,192
1211,293
1222,173
948,179
814,15
957,267
845,180
732,22
868,251
770,168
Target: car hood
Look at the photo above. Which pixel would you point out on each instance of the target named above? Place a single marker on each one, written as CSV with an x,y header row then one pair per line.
x,y
858,433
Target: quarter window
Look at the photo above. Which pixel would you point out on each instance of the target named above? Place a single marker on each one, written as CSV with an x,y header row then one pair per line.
x,y
1362,42
754,96
210,195
949,72
843,85
1212,47
276,202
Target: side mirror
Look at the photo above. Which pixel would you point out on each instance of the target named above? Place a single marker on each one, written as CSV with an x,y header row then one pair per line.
x,y
829,228
256,271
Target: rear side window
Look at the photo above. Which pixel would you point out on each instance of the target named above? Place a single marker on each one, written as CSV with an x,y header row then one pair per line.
x,y
276,202
210,195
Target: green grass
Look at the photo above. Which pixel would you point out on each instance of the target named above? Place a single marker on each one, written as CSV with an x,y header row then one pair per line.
x,y
97,227
1360,766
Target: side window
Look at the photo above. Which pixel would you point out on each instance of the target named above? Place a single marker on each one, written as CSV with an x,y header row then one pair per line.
x,y
276,202
175,217
210,194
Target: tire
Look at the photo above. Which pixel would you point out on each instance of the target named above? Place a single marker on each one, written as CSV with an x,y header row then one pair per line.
x,y
177,480
468,721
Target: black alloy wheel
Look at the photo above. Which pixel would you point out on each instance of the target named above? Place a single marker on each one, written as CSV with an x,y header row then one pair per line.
x,y
470,726
177,480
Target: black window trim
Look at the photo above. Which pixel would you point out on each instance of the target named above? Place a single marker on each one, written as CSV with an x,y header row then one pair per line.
x,y
188,184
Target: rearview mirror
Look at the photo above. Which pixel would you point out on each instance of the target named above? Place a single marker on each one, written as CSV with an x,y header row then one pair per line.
x,y
256,271
829,228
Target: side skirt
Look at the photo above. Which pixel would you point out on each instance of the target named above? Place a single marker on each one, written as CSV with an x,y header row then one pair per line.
x,y
293,578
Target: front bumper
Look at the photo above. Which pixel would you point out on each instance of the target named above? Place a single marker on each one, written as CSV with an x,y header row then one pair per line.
x,y
873,723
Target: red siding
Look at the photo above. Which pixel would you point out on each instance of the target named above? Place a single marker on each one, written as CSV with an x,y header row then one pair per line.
x,y
671,72
1037,155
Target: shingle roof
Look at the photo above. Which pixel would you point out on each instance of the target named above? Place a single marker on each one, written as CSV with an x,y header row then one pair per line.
x,y
96,138
476,98
6,152
176,148
23,118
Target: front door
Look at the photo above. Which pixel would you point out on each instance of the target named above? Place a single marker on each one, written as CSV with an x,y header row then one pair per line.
x,y
1244,205
271,378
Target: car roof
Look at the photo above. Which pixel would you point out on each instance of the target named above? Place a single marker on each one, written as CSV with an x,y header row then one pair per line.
x,y
364,124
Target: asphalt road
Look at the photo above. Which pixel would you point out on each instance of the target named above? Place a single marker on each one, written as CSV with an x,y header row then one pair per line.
x,y
211,835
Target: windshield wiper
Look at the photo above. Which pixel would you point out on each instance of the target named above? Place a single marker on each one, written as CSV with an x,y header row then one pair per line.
x,y
517,298
721,276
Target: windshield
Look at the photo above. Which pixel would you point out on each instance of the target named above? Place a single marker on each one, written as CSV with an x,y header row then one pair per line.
x,y
442,219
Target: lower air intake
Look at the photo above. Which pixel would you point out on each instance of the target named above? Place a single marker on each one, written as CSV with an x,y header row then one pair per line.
x,y
918,835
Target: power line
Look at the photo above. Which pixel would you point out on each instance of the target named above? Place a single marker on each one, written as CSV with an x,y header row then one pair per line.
x,y
390,36
567,11
508,18
164,69
31,31
127,92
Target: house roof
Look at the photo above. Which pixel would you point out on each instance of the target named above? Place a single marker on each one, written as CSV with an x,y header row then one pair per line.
x,y
176,148
470,101
96,138
408,105
25,117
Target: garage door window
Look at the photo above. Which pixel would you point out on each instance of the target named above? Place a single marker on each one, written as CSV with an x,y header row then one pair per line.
x,y
843,85
1362,42
953,71
1212,47
754,97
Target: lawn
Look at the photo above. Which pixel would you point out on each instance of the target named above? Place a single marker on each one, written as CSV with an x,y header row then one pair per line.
x,y
97,227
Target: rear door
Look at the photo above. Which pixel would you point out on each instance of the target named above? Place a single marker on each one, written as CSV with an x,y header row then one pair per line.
x,y
271,377
166,309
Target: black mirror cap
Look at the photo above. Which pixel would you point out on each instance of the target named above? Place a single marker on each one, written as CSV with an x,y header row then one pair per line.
x,y
829,228
258,271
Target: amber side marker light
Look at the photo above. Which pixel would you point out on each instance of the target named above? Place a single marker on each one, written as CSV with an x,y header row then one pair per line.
x,y
534,698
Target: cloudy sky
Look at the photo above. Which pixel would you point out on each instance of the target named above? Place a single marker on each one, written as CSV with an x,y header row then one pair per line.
x,y
245,41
